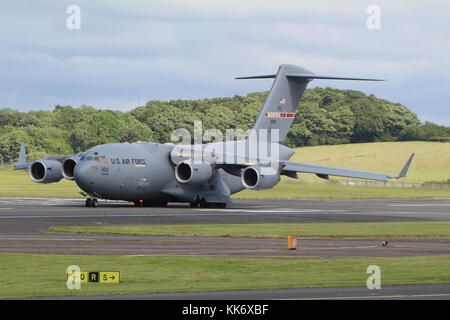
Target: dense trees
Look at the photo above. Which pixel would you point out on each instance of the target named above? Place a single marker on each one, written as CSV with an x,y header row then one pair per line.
x,y
428,131
325,116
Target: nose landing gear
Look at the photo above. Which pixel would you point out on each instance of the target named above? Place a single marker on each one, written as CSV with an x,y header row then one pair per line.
x,y
91,202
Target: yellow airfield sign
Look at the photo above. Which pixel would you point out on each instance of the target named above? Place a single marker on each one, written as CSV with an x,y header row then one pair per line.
x,y
109,277
73,276
96,276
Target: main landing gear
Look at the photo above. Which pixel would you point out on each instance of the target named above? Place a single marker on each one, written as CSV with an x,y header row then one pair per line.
x,y
91,203
141,203
202,203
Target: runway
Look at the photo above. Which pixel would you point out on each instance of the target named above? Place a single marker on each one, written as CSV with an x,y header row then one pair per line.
x,y
24,222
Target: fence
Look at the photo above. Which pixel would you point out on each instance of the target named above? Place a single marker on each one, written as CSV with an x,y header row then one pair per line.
x,y
6,165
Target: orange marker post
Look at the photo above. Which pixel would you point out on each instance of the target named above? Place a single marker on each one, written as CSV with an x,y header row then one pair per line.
x,y
292,242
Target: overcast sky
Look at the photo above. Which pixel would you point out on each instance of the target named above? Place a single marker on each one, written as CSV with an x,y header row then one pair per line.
x,y
128,52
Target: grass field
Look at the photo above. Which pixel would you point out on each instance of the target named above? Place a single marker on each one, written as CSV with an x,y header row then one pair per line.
x,y
17,184
432,163
276,230
28,275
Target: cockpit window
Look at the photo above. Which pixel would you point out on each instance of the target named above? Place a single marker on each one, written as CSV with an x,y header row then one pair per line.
x,y
87,156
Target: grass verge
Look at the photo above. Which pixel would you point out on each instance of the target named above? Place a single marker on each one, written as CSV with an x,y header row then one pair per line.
x,y
29,275
17,184
276,230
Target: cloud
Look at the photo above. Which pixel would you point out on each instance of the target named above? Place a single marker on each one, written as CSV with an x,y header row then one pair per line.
x,y
130,52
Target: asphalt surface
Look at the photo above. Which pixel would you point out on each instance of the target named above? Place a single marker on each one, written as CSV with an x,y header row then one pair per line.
x,y
23,223
406,292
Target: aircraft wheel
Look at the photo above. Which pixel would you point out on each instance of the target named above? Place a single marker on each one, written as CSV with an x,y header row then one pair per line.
x,y
94,203
88,202
203,204
193,204
149,204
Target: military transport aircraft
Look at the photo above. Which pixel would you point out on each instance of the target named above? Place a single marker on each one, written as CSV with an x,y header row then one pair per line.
x,y
205,175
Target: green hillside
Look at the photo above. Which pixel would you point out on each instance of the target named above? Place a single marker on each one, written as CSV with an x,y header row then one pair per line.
x,y
325,116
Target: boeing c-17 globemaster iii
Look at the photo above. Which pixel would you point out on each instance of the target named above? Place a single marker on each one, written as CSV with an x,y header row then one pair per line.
x,y
204,175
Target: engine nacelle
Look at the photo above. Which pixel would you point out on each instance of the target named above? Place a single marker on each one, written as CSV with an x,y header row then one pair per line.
x,y
68,167
258,178
187,172
46,171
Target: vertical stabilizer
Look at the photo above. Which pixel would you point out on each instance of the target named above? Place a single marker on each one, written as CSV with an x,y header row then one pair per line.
x,y
287,89
279,108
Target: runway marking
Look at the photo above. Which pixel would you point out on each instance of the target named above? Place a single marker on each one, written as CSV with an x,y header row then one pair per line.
x,y
270,211
420,205
377,297
47,239
162,214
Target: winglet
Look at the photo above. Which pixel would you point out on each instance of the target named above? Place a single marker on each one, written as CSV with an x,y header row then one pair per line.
x,y
405,168
22,163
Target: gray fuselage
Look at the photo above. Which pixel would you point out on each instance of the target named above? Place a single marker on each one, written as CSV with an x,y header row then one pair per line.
x,y
139,171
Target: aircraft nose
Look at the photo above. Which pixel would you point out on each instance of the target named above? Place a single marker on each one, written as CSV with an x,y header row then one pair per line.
x,y
82,176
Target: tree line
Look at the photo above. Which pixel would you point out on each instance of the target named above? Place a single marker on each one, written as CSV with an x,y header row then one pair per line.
x,y
325,116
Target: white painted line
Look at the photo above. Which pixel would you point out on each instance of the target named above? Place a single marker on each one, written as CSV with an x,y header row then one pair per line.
x,y
420,205
237,213
270,211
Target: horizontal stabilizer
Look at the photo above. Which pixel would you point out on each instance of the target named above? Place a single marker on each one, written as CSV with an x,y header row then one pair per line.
x,y
317,76
268,76
308,76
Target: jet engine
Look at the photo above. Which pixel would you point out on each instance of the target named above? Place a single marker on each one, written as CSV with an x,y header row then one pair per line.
x,y
46,171
187,172
68,167
258,178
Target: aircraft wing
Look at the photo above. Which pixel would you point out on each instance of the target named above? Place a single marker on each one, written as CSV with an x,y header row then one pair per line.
x,y
22,163
289,168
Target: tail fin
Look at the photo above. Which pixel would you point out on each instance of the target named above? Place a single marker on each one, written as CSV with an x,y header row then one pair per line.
x,y
287,89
